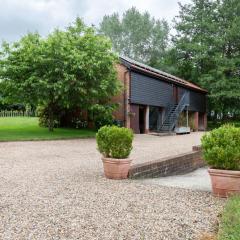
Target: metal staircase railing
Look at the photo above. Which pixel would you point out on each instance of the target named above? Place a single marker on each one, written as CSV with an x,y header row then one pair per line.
x,y
172,113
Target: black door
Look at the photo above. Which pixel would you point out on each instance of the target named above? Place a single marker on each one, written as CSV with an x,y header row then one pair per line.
x,y
155,118
142,119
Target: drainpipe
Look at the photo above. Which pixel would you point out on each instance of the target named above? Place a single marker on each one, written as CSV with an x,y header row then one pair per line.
x,y
125,98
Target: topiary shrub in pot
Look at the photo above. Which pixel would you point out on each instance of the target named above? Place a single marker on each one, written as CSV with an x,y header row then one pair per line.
x,y
115,144
221,151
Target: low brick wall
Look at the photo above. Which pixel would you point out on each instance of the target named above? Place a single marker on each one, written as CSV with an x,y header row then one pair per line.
x,y
179,164
197,148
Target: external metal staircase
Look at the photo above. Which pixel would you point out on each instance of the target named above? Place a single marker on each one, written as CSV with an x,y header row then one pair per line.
x,y
172,113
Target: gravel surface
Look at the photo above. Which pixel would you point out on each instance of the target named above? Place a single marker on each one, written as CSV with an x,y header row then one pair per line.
x,y
55,190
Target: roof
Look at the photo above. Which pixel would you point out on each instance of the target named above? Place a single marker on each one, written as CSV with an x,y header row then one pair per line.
x,y
140,67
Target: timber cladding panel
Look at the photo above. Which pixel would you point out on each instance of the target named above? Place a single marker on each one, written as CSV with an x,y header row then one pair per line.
x,y
181,92
197,102
156,92
149,91
179,164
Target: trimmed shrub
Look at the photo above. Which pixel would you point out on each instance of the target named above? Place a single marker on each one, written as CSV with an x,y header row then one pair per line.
x,y
114,142
221,148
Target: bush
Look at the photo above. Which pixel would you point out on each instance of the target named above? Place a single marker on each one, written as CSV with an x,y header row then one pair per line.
x,y
221,148
115,142
182,120
73,118
43,115
102,115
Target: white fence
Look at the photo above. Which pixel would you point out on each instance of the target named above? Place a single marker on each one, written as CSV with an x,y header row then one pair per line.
x,y
17,114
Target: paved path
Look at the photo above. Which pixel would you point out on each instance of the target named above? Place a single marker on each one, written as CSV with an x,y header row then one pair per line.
x,y
56,190
196,180
150,147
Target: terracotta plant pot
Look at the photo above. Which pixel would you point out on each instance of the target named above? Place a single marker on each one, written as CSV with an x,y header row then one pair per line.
x,y
224,182
116,168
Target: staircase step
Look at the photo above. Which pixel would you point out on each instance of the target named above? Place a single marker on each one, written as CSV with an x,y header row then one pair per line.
x,y
171,117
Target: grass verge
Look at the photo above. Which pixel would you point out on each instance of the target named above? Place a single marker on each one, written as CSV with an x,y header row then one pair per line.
x,y
27,128
229,228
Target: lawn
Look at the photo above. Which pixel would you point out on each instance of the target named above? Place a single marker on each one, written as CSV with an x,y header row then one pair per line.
x,y
229,228
26,128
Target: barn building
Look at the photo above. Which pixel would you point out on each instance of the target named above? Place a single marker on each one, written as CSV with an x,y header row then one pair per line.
x,y
156,101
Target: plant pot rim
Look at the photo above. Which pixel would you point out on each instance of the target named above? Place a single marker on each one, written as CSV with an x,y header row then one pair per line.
x,y
215,171
117,160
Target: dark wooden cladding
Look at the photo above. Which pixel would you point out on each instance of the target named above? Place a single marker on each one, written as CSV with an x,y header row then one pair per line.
x,y
181,92
149,91
197,102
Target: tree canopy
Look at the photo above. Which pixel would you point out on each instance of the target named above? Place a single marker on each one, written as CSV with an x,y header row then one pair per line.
x,y
138,36
207,50
68,68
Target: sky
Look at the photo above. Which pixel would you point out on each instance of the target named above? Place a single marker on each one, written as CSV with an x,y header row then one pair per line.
x,y
17,17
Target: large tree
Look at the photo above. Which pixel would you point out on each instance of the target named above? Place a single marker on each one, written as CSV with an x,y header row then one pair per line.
x,y
68,68
207,50
138,36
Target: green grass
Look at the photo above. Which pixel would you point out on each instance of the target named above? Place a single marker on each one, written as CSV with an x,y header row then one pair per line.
x,y
229,228
26,128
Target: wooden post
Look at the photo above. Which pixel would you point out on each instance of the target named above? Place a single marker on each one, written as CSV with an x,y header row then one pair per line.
x,y
196,121
147,119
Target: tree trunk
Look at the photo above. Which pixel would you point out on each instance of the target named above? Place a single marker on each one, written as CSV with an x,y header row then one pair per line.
x,y
50,120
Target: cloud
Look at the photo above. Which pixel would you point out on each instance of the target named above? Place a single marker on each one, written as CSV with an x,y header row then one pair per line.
x,y
19,17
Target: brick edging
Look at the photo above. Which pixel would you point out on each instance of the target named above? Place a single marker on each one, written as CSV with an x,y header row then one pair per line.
x,y
197,148
179,164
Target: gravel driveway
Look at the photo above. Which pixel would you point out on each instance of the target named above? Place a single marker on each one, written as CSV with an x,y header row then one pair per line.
x,y
55,190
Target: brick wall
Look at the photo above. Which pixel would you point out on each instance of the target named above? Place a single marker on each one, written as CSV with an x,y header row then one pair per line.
x,y
122,99
179,164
